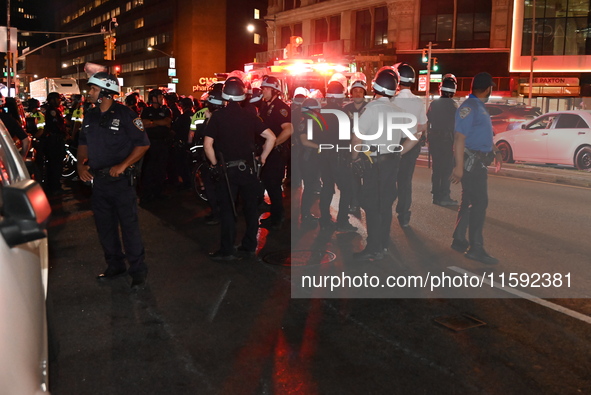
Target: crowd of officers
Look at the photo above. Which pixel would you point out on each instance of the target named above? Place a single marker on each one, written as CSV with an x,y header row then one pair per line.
x,y
247,137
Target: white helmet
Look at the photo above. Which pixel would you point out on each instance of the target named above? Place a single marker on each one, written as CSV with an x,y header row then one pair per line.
x,y
107,82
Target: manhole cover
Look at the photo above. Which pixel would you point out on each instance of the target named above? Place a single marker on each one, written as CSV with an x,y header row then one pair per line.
x,y
299,258
459,322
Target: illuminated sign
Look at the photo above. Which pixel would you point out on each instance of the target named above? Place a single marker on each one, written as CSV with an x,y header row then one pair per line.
x,y
203,83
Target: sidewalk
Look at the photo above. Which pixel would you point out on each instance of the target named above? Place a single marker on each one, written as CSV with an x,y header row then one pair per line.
x,y
544,173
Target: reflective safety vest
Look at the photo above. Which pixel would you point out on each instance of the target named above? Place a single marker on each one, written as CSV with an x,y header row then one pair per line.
x,y
197,119
39,119
77,115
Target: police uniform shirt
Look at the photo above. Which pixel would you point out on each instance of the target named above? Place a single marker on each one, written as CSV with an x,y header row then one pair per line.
x,y
155,114
275,114
54,122
369,123
181,126
233,129
442,116
350,109
111,136
412,104
473,121
13,126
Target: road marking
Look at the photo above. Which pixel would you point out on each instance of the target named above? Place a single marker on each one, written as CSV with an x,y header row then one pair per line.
x,y
531,298
216,307
541,182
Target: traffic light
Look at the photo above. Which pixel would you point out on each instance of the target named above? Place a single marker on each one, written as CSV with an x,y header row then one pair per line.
x,y
113,40
117,70
425,56
107,52
435,65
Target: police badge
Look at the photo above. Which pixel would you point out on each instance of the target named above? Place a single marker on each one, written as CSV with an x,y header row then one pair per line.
x,y
139,124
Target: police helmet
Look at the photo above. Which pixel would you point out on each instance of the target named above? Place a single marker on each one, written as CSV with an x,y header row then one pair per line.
x,y
385,81
406,73
54,96
107,82
257,95
271,82
131,100
186,103
311,104
358,84
215,95
234,89
448,85
171,97
154,93
335,90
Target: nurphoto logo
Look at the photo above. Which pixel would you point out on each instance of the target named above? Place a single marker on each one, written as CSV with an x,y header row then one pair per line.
x,y
388,123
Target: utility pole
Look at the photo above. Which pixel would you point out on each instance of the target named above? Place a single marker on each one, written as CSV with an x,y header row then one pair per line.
x,y
533,58
8,52
428,88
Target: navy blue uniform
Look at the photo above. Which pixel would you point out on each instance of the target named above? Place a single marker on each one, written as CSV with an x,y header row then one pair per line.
x,y
233,130
275,114
111,137
53,142
473,121
441,117
156,159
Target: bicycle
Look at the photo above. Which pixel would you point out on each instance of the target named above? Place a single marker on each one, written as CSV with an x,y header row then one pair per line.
x,y
199,164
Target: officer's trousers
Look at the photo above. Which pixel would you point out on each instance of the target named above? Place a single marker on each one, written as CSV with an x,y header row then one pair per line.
x,y
334,171
245,184
378,194
404,182
472,212
114,204
310,176
54,149
441,151
272,176
154,168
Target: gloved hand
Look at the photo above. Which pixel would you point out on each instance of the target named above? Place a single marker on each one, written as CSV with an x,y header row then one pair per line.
x,y
215,172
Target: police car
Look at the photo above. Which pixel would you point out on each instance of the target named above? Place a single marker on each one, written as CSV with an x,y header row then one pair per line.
x,y
24,213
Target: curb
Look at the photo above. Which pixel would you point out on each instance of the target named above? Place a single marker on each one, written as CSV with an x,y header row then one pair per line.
x,y
563,176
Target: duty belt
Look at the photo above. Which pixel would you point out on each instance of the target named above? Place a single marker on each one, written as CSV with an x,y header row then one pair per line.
x,y
240,164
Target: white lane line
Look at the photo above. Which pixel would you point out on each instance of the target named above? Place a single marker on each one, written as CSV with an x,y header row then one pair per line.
x,y
531,298
216,306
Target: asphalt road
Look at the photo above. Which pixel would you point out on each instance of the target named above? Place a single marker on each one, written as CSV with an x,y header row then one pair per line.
x,y
202,327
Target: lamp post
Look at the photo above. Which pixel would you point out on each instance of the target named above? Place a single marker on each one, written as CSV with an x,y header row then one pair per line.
x,y
158,50
533,47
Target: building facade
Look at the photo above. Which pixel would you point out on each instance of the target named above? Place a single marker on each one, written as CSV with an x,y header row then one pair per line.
x,y
467,37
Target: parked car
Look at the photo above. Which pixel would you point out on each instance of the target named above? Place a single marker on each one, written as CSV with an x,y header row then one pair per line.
x,y
562,138
24,213
510,116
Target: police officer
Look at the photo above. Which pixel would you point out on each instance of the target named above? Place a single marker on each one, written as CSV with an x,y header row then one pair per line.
x,y
214,102
112,140
441,117
473,152
16,130
54,142
277,116
335,167
357,92
412,104
182,135
157,119
229,146
308,159
380,165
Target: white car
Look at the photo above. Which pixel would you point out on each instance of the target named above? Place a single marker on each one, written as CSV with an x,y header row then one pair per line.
x,y
562,138
24,213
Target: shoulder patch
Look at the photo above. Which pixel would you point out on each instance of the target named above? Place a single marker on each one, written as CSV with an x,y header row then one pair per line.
x,y
139,124
465,111
283,112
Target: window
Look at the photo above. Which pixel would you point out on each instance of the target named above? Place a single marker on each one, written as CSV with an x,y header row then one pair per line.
x,y
555,21
571,121
320,30
285,34
297,29
381,26
257,38
542,123
472,23
138,23
334,29
362,30
257,14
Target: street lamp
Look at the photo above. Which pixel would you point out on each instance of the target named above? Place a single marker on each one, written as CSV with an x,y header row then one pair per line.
x,y
162,52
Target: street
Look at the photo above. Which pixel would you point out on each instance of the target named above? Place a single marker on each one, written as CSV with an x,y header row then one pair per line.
x,y
202,327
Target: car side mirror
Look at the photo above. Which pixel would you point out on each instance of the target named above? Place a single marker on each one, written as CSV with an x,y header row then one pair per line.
x,y
26,212
523,126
